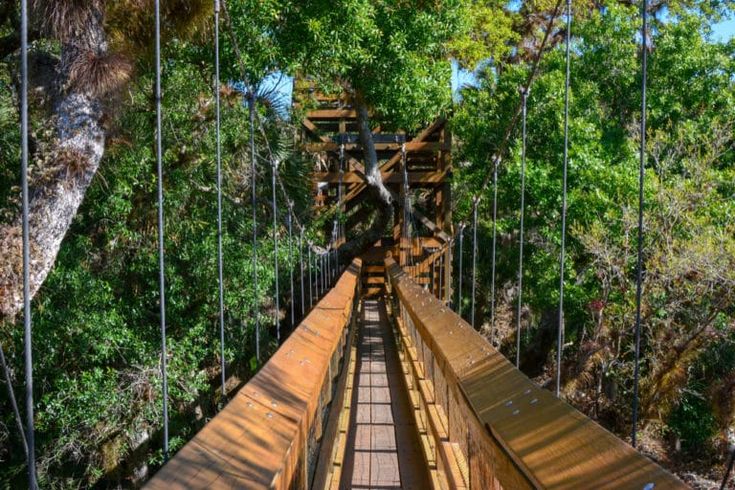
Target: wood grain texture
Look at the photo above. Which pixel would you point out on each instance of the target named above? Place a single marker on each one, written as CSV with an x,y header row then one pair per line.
x,y
383,446
518,433
259,439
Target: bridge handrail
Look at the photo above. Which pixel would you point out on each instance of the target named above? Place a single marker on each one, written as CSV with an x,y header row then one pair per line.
x,y
268,435
511,433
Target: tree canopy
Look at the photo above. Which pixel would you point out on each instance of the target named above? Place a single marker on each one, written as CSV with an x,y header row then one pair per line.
x,y
96,340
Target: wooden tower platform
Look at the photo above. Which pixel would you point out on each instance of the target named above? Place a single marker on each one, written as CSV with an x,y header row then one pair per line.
x,y
329,130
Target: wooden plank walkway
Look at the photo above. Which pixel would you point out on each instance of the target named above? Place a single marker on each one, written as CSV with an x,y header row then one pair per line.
x,y
383,446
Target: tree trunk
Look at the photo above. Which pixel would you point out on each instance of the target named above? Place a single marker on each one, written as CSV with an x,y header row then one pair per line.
x,y
378,192
60,180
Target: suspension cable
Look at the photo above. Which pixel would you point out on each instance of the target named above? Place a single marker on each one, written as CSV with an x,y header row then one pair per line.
x,y
560,330
441,275
494,252
335,229
275,250
524,101
254,205
340,189
330,266
502,148
291,261
459,278
27,325
311,279
13,401
301,269
218,138
404,176
317,273
641,203
161,252
475,203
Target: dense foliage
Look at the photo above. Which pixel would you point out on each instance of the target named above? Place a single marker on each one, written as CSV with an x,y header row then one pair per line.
x,y
689,252
96,337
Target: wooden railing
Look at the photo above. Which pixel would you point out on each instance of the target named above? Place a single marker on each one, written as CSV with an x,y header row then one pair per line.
x,y
270,434
485,425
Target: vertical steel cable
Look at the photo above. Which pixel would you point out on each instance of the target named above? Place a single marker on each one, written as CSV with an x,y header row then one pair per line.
x,y
641,202
290,260
317,274
404,174
494,259
524,114
311,279
441,277
459,278
432,270
275,250
474,259
218,138
13,401
340,189
161,257
337,215
334,266
27,325
301,268
254,205
560,331
329,267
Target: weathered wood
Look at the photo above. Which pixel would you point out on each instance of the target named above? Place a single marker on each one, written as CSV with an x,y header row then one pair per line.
x,y
383,449
411,146
414,178
331,114
512,433
261,438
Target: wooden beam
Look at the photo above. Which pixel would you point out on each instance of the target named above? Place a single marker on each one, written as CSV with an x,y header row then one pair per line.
x,y
437,124
431,177
311,127
411,146
331,114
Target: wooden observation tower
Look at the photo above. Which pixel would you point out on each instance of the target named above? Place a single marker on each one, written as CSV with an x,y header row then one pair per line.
x,y
329,133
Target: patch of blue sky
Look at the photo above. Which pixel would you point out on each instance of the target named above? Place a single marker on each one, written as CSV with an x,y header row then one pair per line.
x,y
725,30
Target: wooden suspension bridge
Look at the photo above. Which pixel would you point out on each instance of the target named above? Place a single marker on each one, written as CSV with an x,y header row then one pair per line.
x,y
382,385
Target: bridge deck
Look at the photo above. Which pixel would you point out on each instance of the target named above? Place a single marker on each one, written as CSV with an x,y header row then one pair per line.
x,y
383,448
441,409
